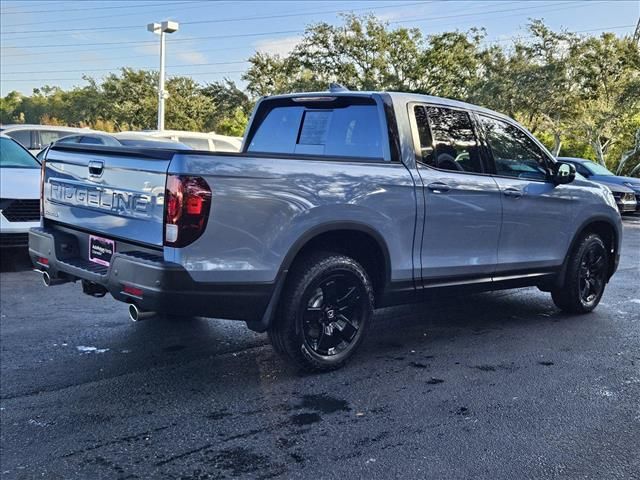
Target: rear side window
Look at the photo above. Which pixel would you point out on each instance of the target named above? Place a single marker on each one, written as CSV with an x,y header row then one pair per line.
x,y
351,131
447,139
23,137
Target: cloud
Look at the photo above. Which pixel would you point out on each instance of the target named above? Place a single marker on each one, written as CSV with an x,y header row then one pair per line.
x,y
149,48
175,52
191,56
277,46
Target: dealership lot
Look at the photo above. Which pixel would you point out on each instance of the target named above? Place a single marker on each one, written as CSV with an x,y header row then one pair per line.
x,y
497,385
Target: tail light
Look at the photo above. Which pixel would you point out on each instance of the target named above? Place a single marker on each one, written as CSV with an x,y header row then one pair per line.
x,y
187,202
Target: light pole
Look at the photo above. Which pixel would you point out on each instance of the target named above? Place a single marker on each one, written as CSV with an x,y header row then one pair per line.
x,y
161,29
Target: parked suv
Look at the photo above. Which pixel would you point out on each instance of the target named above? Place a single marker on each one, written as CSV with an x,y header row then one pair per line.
x,y
338,203
622,187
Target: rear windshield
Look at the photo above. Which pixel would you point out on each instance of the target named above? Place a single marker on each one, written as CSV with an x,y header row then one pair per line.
x,y
345,131
13,155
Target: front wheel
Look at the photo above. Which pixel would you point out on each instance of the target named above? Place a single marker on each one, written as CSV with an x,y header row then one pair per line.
x,y
324,312
586,277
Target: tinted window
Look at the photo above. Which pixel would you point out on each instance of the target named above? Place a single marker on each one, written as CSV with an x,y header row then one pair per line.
x,y
21,136
195,143
447,140
13,155
278,131
514,153
352,131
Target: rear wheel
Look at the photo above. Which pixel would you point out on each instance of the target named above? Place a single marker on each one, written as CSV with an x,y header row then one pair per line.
x,y
586,277
324,312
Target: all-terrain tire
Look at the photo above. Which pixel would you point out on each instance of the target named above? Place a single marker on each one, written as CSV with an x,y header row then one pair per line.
x,y
585,277
290,330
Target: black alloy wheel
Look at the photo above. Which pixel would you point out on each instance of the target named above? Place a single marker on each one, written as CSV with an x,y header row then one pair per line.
x,y
592,275
324,311
586,276
332,312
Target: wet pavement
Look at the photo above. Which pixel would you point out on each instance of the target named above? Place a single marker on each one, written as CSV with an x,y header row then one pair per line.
x,y
490,386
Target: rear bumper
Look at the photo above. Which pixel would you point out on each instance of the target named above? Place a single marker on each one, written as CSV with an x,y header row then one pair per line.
x,y
158,285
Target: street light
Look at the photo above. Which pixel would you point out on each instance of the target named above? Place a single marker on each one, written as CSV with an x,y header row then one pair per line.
x,y
161,29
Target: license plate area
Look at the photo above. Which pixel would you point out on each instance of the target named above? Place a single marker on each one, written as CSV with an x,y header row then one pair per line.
x,y
101,250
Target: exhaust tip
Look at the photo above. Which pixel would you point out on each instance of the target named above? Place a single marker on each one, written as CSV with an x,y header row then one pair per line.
x,y
136,314
46,279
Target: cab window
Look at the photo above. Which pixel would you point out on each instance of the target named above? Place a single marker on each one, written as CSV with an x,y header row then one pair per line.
x,y
515,154
447,139
349,131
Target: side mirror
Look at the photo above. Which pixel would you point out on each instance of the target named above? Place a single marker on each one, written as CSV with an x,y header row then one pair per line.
x,y
564,173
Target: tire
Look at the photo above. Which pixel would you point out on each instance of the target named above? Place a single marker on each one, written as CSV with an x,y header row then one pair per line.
x,y
324,312
585,278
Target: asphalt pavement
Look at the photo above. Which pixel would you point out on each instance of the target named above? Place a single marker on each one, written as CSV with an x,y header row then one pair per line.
x,y
489,386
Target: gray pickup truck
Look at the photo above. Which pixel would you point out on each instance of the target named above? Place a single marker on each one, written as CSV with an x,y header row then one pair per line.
x,y
338,203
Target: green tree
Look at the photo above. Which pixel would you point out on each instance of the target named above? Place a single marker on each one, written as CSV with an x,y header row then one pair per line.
x,y
130,99
231,108
187,107
608,85
9,106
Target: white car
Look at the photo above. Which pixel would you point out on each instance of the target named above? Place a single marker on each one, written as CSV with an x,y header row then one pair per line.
x,y
19,193
35,137
211,142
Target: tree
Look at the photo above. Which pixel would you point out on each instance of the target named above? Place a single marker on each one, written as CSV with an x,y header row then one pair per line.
x,y
632,153
130,99
450,64
608,85
9,107
187,107
231,108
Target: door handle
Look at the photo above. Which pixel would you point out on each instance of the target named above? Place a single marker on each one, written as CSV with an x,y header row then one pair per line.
x,y
513,192
438,187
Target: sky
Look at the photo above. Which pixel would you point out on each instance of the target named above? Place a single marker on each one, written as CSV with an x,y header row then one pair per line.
x,y
57,42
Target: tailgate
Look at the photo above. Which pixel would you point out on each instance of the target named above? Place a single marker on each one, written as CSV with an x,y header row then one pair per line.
x,y
114,191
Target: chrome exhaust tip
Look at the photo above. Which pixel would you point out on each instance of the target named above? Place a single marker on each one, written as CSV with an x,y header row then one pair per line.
x,y
50,281
136,314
